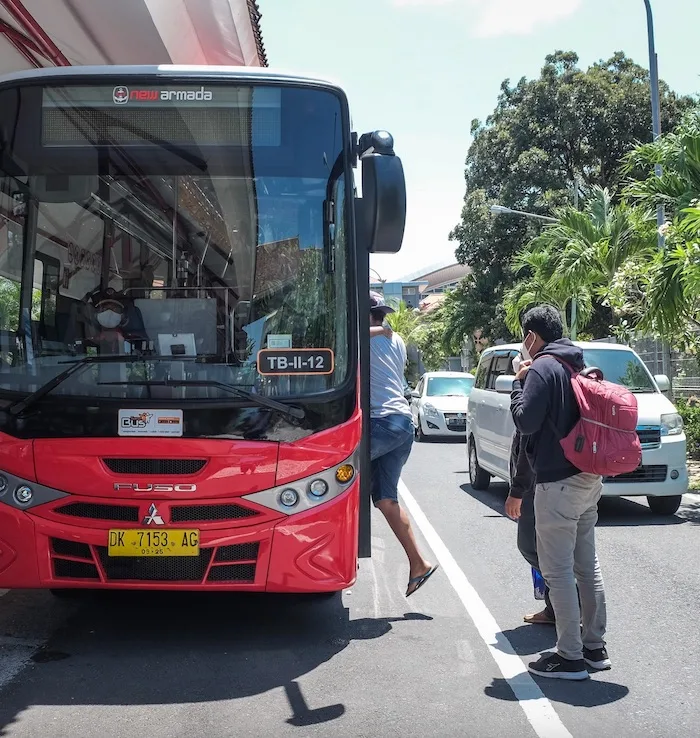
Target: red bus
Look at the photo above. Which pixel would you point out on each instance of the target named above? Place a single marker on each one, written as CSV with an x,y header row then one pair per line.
x,y
184,328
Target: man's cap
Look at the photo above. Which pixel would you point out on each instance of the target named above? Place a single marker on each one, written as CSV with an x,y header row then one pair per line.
x,y
377,303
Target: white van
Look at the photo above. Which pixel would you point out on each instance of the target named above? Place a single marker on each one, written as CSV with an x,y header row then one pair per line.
x,y
663,474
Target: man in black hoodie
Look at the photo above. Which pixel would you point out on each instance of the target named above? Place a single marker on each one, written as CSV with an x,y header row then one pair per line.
x,y
544,409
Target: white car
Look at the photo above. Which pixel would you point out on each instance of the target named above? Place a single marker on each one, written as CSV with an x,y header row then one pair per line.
x,y
663,474
439,404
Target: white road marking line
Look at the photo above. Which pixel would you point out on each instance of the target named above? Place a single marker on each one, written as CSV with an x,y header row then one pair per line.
x,y
537,708
3,592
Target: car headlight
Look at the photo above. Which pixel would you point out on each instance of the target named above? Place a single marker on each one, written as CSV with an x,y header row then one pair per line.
x,y
671,424
429,410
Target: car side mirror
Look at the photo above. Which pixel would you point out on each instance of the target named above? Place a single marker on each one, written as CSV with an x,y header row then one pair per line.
x,y
415,395
504,384
663,382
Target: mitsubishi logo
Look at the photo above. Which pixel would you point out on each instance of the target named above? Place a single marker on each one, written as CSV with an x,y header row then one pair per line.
x,y
153,517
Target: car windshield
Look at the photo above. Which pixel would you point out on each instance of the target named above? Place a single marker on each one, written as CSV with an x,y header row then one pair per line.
x,y
621,367
143,222
449,386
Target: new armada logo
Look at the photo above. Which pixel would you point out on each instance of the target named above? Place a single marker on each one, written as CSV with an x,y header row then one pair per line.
x,y
121,95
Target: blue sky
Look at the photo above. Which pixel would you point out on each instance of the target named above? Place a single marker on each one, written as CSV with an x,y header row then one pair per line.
x,y
424,69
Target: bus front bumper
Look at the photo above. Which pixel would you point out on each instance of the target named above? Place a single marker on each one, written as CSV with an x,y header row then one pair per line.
x,y
312,551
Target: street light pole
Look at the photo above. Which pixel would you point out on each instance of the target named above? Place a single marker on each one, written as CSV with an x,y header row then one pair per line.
x,y
655,104
656,128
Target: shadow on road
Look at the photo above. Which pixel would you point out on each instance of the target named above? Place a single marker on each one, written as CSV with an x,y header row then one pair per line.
x,y
591,693
527,639
621,511
494,497
124,648
612,511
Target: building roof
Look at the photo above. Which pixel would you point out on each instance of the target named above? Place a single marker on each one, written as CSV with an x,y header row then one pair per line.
x,y
439,275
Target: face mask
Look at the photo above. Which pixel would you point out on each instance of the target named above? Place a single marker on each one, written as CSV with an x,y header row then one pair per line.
x,y
516,364
109,319
524,351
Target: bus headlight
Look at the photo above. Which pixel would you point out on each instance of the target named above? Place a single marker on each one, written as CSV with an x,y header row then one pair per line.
x,y
318,488
289,497
23,495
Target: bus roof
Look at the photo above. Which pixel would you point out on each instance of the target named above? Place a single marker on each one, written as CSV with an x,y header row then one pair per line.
x,y
248,74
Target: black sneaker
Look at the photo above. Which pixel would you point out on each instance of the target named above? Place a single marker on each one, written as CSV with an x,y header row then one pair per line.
x,y
597,658
554,666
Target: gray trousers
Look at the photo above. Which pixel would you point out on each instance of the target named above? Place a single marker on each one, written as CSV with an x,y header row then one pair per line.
x,y
566,513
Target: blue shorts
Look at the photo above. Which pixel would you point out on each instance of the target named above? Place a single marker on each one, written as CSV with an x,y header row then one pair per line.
x,y
391,441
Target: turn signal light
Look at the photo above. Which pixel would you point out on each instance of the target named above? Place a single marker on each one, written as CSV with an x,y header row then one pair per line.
x,y
344,473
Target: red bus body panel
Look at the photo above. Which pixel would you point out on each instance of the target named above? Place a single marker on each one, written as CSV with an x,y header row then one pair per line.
x,y
243,545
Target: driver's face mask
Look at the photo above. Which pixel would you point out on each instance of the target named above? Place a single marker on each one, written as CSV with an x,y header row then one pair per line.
x,y
109,319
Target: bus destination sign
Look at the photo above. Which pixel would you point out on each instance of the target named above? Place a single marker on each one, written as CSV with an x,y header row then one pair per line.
x,y
277,362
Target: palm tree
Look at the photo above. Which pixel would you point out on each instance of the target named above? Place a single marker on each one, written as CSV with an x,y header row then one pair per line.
x,y
671,280
578,256
537,265
404,321
678,154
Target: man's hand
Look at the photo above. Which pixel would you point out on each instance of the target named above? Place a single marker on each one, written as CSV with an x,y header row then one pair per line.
x,y
513,505
387,331
524,369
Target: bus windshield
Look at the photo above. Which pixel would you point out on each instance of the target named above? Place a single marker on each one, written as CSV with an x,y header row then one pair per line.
x,y
186,226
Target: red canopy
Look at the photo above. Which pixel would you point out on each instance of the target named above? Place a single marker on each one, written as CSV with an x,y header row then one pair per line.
x,y
37,33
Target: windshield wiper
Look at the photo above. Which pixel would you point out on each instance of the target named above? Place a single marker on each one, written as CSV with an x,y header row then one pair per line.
x,y
289,410
17,408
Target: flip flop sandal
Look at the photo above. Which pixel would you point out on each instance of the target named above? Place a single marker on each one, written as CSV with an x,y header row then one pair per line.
x,y
421,580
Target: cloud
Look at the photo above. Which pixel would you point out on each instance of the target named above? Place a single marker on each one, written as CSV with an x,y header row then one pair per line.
x,y
491,18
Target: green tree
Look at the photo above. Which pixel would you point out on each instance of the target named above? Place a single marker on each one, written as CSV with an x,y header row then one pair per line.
x,y
567,126
580,255
429,337
661,296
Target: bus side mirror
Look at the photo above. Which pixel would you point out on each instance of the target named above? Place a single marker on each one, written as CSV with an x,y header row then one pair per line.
x,y
382,211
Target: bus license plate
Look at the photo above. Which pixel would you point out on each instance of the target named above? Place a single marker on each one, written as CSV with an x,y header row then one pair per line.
x,y
172,542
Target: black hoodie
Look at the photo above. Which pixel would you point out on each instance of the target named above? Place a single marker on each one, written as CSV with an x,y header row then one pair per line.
x,y
547,400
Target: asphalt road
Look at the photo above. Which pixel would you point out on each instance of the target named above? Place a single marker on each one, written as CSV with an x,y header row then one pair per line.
x,y
448,661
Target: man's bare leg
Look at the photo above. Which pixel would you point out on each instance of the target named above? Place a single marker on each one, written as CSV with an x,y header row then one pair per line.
x,y
399,523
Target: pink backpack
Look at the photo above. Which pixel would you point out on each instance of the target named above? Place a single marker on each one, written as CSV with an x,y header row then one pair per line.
x,y
604,440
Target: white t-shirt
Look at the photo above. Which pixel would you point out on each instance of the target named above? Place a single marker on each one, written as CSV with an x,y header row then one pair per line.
x,y
386,376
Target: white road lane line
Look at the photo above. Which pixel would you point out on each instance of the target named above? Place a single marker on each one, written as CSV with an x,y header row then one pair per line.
x,y
537,708
3,592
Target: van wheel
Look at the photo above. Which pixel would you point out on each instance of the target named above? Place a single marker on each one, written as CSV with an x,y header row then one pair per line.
x,y
664,505
420,436
478,478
